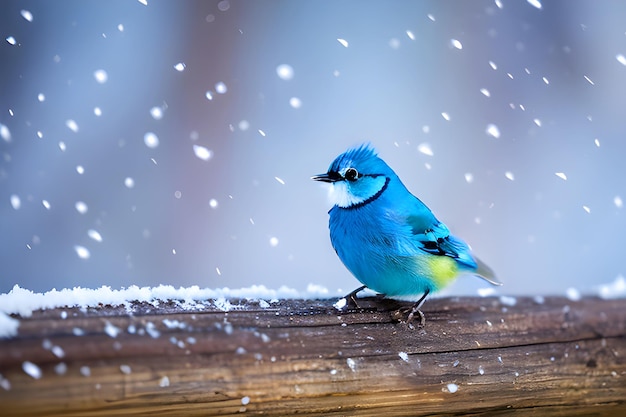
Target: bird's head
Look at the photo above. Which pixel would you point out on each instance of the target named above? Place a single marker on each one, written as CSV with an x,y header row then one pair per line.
x,y
357,177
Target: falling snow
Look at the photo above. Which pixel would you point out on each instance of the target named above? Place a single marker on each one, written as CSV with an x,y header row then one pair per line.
x,y
111,330
535,3
5,133
60,368
295,102
82,252
223,5
151,140
95,235
57,351
81,207
72,125
101,76
455,43
85,371
16,203
561,175
156,113
221,88
31,369
493,131
88,118
285,72
425,149
202,152
129,182
26,15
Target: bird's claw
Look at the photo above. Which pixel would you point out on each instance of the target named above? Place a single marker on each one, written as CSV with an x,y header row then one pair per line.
x,y
349,301
410,313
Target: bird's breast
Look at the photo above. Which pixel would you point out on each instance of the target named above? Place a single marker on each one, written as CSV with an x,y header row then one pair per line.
x,y
381,254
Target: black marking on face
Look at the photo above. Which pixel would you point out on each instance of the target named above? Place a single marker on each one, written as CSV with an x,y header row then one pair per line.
x,y
374,197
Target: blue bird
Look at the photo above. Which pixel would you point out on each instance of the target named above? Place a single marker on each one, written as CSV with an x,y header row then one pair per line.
x,y
387,238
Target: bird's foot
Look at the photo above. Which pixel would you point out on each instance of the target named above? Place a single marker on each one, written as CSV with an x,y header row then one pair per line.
x,y
412,312
407,315
349,301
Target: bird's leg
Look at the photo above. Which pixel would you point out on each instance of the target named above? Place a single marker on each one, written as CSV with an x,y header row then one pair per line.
x,y
351,298
415,310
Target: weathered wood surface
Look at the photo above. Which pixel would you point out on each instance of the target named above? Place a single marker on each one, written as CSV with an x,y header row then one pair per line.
x,y
550,357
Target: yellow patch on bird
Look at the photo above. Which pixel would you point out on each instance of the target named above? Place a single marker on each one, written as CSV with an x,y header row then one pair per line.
x,y
443,269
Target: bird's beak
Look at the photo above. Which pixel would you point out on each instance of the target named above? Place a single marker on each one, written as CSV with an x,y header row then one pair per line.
x,y
327,177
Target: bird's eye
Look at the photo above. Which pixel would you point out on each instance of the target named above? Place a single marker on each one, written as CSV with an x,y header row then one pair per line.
x,y
351,174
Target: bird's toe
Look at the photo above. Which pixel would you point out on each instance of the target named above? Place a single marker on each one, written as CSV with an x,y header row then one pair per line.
x,y
410,316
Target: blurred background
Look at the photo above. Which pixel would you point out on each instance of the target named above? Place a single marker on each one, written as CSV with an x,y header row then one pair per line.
x,y
162,142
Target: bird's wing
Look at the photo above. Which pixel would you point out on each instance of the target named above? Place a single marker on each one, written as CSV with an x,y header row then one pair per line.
x,y
437,240
433,237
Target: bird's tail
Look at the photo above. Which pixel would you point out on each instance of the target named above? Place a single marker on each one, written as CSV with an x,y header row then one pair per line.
x,y
483,271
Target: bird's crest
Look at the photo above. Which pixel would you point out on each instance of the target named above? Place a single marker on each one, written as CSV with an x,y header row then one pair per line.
x,y
357,155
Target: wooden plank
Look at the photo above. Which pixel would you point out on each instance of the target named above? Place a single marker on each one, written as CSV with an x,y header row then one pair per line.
x,y
475,355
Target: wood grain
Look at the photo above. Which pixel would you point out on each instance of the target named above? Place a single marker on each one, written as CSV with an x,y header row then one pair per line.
x,y
477,356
